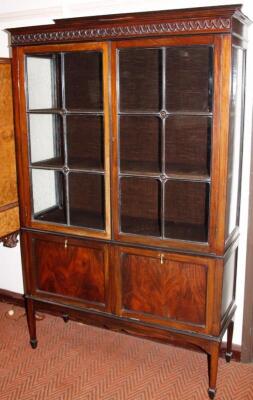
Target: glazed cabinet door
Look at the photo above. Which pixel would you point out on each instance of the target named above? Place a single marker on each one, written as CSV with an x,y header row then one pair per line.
x,y
165,289
69,271
65,138
165,130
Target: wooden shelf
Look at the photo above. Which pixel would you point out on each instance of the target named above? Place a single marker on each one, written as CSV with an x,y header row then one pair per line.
x,y
176,175
55,215
140,226
86,219
189,232
87,164
55,162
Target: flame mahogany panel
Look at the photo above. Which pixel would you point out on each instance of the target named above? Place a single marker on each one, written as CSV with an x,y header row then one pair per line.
x,y
171,289
71,270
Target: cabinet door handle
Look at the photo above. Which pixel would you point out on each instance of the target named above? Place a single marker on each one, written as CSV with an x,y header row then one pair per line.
x,y
66,243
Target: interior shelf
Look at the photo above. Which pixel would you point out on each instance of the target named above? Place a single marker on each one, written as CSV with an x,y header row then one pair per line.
x,y
186,173
181,231
86,219
148,168
140,226
174,174
85,164
73,164
186,231
55,162
55,214
77,218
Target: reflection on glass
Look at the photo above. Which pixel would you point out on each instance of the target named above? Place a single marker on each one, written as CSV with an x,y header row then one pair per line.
x,y
189,78
84,80
46,145
140,206
188,145
234,168
86,200
140,72
40,82
48,196
85,138
140,144
186,210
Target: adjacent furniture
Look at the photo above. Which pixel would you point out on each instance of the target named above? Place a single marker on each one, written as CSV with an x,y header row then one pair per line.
x,y
9,212
129,131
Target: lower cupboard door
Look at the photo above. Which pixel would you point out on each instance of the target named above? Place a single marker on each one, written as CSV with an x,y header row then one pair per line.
x,y
164,289
70,270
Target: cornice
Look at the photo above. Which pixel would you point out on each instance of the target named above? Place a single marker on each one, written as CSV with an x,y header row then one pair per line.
x,y
132,25
219,24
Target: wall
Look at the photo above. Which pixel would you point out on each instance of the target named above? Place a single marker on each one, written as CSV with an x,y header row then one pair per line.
x,y
28,12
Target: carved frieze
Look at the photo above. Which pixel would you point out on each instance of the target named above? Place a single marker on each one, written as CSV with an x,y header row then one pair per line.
x,y
191,26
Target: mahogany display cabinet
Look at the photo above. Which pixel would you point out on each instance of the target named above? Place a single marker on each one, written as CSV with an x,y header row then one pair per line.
x,y
129,133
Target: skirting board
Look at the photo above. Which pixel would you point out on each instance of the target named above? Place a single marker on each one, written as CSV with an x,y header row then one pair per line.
x,y
17,299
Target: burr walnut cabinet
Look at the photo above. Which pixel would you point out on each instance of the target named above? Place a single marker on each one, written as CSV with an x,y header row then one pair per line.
x,y
129,132
9,212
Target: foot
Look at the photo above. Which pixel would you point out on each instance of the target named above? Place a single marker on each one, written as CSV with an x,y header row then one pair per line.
x,y
65,317
211,393
33,343
228,357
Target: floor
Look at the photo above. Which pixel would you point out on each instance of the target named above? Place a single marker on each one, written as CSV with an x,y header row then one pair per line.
x,y
75,361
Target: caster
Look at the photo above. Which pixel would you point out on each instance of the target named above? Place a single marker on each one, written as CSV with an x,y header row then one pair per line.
x,y
228,357
33,343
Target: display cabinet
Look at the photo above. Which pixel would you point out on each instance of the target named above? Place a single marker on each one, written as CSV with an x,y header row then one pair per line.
x,y
9,210
129,137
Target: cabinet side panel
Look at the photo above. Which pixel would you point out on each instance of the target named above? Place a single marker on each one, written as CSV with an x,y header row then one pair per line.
x,y
235,140
228,286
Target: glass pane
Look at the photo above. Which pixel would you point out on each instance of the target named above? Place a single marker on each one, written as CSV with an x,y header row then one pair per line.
x,y
40,82
186,210
189,78
84,80
188,145
140,72
85,137
48,196
140,206
46,145
234,158
86,200
140,143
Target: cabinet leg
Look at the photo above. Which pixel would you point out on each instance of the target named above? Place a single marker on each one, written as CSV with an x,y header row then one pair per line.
x,y
230,331
213,359
31,320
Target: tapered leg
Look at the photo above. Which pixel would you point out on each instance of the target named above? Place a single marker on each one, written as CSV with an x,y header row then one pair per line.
x,y
230,331
31,320
213,359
